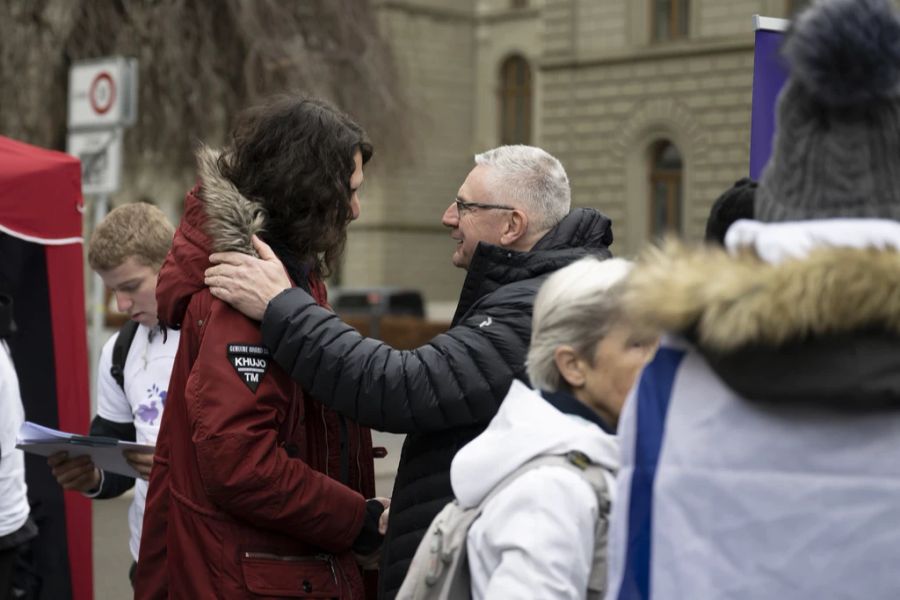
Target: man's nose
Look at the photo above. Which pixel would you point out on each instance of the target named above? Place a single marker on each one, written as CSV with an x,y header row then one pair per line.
x,y
451,216
123,301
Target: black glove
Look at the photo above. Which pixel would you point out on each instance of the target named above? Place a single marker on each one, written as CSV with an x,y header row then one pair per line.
x,y
369,540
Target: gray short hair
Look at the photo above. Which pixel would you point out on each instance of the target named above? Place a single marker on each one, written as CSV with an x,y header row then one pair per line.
x,y
531,179
576,306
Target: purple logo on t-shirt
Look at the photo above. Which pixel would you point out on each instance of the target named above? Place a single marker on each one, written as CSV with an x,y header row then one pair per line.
x,y
148,413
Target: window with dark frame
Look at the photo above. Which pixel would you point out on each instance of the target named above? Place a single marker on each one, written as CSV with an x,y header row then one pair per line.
x,y
666,174
515,101
795,6
669,20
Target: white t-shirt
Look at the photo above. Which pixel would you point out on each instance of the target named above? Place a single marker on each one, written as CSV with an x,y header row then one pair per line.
x,y
13,499
148,368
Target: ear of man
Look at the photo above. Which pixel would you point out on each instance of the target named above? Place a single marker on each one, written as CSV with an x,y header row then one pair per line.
x,y
515,228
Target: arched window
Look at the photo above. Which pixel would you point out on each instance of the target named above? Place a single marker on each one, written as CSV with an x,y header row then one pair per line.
x,y
515,101
666,169
669,19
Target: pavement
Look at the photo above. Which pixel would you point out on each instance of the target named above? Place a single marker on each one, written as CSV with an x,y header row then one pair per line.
x,y
112,558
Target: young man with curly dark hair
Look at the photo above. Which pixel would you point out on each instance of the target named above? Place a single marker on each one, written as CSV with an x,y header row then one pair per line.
x,y
257,488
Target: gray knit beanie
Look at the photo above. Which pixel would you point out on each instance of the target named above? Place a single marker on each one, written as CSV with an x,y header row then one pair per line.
x,y
837,142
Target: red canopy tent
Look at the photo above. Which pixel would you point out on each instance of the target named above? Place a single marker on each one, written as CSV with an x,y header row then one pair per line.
x,y
42,269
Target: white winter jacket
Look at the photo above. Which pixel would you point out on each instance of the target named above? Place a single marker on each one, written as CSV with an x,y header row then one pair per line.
x,y
755,469
13,491
535,539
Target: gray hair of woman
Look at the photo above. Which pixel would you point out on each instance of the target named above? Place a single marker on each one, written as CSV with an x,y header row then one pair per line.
x,y
577,306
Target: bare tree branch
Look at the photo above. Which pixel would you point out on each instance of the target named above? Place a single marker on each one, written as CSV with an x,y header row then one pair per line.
x,y
200,61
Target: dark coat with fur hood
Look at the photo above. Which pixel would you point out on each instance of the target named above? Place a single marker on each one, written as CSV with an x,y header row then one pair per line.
x,y
825,329
245,499
761,441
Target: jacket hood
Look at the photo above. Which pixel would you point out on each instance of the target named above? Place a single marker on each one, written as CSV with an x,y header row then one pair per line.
x,y
217,218
582,227
728,302
583,232
526,426
815,321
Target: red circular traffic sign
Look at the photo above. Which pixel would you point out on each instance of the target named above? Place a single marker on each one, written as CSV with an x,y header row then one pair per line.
x,y
102,94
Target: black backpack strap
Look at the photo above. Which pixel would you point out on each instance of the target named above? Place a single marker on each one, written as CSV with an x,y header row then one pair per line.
x,y
7,324
120,351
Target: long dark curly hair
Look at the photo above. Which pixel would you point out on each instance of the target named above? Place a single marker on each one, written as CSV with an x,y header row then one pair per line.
x,y
294,155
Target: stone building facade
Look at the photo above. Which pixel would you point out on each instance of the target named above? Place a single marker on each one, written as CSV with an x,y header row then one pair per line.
x,y
646,103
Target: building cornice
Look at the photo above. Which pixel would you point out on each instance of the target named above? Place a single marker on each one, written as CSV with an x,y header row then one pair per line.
x,y
648,53
412,8
399,228
517,14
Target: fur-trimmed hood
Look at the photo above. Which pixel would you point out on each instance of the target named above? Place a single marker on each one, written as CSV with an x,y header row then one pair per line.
x,y
821,324
231,219
730,301
217,218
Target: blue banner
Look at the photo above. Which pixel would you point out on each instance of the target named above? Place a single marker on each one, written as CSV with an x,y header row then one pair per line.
x,y
769,75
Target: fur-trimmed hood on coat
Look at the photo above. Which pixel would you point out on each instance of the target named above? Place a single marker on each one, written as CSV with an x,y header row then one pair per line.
x,y
217,218
231,219
824,327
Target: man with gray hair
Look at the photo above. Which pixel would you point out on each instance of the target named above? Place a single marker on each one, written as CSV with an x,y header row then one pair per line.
x,y
512,224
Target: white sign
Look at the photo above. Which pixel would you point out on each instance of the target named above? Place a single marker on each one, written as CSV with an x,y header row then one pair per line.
x,y
103,93
100,153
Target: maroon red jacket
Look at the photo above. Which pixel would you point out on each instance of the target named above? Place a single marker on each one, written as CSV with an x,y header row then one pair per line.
x,y
245,499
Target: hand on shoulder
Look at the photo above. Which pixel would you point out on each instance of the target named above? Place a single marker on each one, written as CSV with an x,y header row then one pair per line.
x,y
245,282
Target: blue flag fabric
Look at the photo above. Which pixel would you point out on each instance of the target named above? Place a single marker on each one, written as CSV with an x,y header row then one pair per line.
x,y
721,497
769,75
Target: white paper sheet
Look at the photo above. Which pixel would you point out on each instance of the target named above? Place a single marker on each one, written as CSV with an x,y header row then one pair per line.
x,y
105,452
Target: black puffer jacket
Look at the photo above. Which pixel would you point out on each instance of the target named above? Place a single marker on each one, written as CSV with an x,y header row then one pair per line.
x,y
442,394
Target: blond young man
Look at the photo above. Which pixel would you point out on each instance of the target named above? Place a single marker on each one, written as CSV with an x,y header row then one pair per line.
x,y
127,250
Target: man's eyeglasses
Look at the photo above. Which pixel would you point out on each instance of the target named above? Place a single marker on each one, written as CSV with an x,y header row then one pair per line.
x,y
463,207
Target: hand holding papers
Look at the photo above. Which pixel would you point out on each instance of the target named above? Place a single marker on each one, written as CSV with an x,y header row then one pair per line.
x,y
106,453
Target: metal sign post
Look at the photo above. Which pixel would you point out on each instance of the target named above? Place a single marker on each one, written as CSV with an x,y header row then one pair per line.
x,y
102,102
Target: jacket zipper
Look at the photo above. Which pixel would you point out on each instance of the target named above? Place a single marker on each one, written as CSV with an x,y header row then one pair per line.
x,y
344,580
359,478
327,558
288,558
345,450
325,429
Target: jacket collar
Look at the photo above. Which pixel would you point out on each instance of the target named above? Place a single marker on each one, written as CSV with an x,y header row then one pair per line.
x,y
569,405
584,231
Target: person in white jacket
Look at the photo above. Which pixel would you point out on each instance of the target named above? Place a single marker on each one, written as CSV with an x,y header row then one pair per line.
x,y
760,447
16,528
535,538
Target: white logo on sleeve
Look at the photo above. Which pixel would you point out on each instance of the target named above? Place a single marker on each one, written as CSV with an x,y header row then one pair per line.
x,y
486,323
250,362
